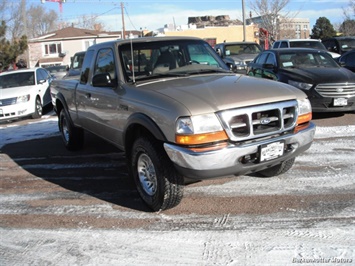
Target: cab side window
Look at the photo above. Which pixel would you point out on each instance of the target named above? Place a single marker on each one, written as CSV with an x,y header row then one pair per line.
x,y
85,70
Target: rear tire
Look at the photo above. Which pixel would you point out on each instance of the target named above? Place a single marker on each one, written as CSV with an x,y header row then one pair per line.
x,y
157,181
278,169
73,137
38,109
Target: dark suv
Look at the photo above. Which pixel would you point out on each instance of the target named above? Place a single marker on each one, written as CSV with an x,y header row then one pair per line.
x,y
339,45
237,55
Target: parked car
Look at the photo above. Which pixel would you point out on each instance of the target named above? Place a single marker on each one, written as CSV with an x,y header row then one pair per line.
x,y
24,92
303,43
57,72
339,45
329,87
237,55
347,60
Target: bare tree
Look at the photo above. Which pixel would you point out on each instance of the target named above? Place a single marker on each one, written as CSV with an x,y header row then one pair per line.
x,y
89,22
269,12
31,21
348,26
40,22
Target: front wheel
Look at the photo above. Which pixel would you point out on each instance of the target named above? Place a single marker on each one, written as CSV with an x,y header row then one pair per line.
x,y
158,183
38,109
72,136
278,169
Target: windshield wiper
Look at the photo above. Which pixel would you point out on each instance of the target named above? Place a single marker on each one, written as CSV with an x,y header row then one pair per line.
x,y
209,70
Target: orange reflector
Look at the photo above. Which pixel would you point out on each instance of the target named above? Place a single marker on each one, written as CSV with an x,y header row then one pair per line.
x,y
304,118
201,138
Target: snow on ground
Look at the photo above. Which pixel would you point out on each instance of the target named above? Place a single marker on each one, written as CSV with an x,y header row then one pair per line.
x,y
273,239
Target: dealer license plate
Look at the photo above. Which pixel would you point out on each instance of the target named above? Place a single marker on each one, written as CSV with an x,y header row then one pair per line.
x,y
340,101
271,151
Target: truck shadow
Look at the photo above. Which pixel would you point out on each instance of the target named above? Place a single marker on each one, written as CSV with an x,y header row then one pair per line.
x,y
99,170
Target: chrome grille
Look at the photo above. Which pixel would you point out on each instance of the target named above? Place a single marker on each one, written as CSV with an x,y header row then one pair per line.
x,y
259,121
9,101
343,90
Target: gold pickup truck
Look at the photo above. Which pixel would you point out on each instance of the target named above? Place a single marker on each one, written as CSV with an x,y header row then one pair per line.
x,y
178,112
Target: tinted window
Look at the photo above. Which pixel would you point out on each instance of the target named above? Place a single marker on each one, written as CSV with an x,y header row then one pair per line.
x,y
271,59
284,45
86,67
261,59
349,59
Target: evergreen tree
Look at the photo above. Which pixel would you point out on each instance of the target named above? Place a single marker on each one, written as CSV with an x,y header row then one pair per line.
x,y
323,29
9,51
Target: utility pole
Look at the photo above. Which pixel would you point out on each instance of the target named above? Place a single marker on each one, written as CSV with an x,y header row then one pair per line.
x,y
123,26
243,10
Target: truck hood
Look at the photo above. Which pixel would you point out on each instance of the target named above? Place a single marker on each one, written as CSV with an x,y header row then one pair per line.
x,y
211,93
320,75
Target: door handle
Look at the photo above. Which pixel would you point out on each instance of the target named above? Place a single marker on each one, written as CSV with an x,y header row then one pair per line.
x,y
88,95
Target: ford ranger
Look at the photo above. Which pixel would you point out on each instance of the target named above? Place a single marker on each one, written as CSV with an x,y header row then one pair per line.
x,y
177,111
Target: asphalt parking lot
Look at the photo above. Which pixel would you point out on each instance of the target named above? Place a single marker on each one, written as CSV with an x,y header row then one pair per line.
x,y
63,208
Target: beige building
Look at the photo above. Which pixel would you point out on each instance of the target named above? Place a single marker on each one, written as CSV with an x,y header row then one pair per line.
x,y
217,34
58,47
214,29
294,28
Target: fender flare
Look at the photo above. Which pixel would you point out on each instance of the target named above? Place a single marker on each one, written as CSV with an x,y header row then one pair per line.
x,y
139,119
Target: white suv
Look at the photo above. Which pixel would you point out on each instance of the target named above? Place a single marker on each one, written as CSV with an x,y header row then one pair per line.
x,y
303,43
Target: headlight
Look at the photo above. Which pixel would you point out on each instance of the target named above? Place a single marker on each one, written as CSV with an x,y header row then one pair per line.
x,y
304,111
23,99
199,129
300,85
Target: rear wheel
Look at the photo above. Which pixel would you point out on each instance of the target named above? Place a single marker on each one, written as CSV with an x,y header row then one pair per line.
x,y
278,169
72,136
158,183
38,109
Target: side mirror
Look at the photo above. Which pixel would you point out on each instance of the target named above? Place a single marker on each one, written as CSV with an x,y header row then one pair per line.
x,y
219,52
103,80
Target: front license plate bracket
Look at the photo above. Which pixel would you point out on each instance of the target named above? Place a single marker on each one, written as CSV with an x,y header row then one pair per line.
x,y
271,151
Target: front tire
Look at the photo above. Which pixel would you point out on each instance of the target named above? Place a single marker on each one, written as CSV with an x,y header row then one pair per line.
x,y
157,181
73,137
38,109
278,169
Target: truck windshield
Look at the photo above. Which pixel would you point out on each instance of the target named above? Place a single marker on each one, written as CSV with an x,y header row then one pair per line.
x,y
179,57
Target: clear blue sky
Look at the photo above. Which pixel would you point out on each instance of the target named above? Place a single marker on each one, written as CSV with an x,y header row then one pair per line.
x,y
155,14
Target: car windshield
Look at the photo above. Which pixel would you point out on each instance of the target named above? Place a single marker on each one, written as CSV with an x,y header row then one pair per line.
x,y
17,80
243,48
306,60
307,44
169,58
347,44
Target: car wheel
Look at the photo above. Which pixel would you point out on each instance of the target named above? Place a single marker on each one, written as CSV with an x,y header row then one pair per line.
x,y
278,169
38,109
158,183
72,136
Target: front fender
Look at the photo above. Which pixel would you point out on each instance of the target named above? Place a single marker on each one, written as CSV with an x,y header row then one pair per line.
x,y
138,123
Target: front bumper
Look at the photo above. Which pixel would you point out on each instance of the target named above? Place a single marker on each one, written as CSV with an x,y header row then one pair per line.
x,y
229,160
13,111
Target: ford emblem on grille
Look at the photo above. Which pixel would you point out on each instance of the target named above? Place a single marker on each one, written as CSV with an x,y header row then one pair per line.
x,y
265,120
